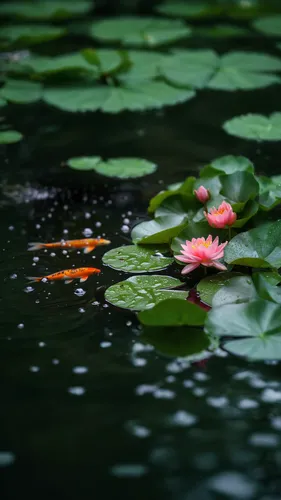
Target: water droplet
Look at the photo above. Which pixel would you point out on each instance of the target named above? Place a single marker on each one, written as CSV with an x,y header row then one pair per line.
x,y
44,280
105,344
11,228
55,361
87,215
80,370
35,259
129,470
79,292
164,394
20,326
6,458
125,229
183,419
126,221
129,323
41,344
52,254
81,310
34,369
98,224
13,276
28,289
77,390
87,232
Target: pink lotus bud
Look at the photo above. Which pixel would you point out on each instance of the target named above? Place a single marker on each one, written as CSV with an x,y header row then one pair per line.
x,y
221,217
200,251
202,194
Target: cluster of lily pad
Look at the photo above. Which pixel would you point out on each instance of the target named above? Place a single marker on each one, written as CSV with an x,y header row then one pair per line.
x,y
244,300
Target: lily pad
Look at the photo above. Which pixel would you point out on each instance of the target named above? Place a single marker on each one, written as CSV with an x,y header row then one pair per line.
x,y
27,34
238,188
173,312
259,247
21,91
255,127
250,209
266,289
45,9
159,230
184,342
209,286
259,322
141,31
227,165
10,136
188,9
136,259
218,31
237,290
270,25
122,168
184,189
270,192
143,292
110,99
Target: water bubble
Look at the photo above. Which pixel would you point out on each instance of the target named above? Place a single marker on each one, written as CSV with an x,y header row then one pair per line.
x,y
87,232
264,440
37,226
95,303
34,369
81,310
44,280
129,470
129,323
87,215
105,344
28,289
79,292
164,394
126,221
183,419
217,402
65,231
247,404
139,361
41,344
20,326
35,259
145,389
129,213
137,430
76,390
13,276
80,370
125,229
65,252
6,458
52,254
98,224
11,228
55,361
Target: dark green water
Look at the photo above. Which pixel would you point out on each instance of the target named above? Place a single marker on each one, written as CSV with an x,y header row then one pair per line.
x,y
88,410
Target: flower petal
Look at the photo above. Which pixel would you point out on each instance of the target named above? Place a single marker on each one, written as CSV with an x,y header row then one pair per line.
x,y
189,268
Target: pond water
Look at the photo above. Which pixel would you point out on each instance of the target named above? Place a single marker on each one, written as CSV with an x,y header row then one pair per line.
x,y
87,404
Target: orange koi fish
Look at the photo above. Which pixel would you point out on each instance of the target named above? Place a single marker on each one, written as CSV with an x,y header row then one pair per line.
x,y
88,244
68,275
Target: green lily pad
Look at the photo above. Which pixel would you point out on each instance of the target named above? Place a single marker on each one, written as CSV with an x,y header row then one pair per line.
x,y
45,9
259,247
239,188
189,68
196,230
110,99
270,192
136,259
227,165
188,9
210,285
141,31
266,289
122,168
222,31
255,127
237,290
21,91
174,205
184,189
159,230
143,292
185,342
10,136
27,34
173,312
270,25
250,210
259,322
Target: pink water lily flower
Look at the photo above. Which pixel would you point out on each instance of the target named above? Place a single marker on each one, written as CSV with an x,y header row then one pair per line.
x,y
222,216
202,194
200,251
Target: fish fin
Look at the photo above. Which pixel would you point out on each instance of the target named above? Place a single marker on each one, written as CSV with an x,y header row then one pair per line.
x,y
68,281
83,279
89,249
35,246
33,279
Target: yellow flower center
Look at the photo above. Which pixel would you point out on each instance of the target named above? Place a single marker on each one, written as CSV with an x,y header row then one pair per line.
x,y
219,211
206,244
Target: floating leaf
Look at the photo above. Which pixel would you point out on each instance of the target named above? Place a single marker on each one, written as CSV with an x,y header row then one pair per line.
x,y
27,34
227,165
238,188
245,71
109,99
45,9
178,342
189,68
255,127
3,102
173,312
265,289
184,189
259,247
21,91
144,65
222,31
210,285
250,209
270,25
174,205
123,168
270,192
10,136
142,292
159,230
237,290
196,230
188,9
136,259
258,321
139,31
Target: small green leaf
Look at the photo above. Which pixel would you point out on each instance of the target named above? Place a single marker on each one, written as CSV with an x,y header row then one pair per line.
x,y
259,247
259,322
27,34
10,136
222,31
270,25
141,31
270,192
175,205
185,190
21,91
265,289
84,162
159,230
122,168
196,230
143,292
173,312
227,165
210,285
250,209
188,9
239,187
136,259
177,341
45,9
255,127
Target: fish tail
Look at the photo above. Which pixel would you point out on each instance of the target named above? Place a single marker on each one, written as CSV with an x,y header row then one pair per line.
x,y
35,246
33,279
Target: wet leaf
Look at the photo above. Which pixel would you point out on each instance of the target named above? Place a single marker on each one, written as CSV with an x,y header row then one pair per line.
x,y
45,9
173,312
136,259
250,210
259,247
174,205
210,285
188,9
270,25
239,188
90,97
222,31
178,341
142,292
237,290
259,322
27,34
255,127
122,168
159,230
227,165
270,192
185,190
266,288
10,136
21,91
141,31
